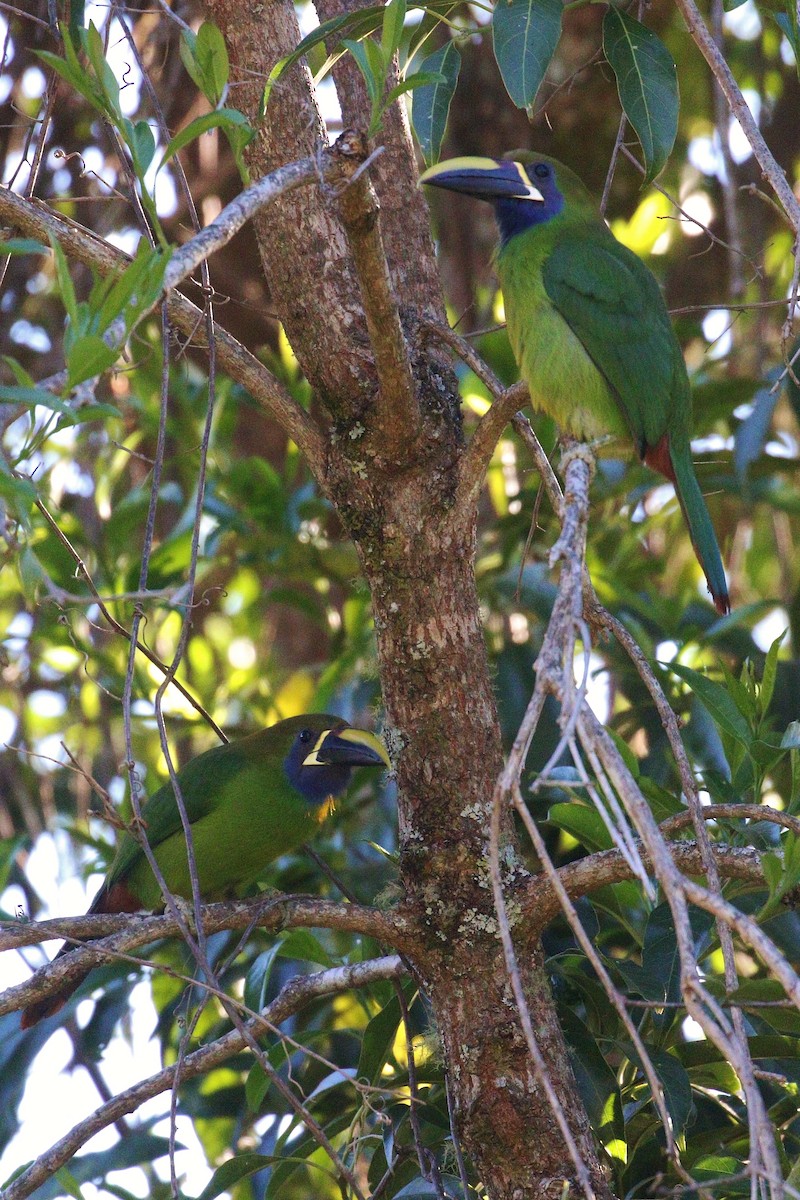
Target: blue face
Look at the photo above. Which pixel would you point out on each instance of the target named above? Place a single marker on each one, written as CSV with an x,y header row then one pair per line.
x,y
315,783
515,215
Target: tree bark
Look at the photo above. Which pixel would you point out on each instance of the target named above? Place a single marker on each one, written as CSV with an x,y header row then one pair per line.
x,y
417,554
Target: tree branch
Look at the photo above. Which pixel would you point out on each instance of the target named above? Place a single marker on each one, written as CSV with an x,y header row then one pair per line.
x,y
540,904
397,412
298,992
129,932
35,219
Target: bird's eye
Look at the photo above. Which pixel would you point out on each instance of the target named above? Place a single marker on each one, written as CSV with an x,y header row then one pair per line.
x,y
541,170
305,736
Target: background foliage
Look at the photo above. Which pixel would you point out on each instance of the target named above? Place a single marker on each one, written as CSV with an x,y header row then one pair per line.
x,y
279,621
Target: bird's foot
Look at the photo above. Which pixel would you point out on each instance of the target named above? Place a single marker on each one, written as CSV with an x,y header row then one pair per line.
x,y
583,452
186,913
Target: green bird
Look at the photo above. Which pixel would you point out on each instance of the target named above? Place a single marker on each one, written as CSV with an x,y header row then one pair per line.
x,y
248,802
588,325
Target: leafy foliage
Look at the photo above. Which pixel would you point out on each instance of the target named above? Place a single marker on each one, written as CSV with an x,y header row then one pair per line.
x,y
281,624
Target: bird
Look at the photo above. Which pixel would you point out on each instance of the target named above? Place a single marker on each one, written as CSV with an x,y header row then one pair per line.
x,y
588,325
248,802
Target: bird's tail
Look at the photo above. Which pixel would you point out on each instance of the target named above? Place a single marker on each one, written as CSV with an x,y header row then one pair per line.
x,y
701,530
115,899
51,1004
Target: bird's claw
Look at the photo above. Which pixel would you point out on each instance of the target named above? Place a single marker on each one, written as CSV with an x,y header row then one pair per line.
x,y
186,911
582,452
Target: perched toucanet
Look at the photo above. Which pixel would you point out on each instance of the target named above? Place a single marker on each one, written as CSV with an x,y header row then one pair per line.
x,y
248,802
588,325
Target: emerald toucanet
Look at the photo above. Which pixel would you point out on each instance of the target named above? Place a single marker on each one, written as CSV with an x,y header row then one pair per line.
x,y
588,325
248,802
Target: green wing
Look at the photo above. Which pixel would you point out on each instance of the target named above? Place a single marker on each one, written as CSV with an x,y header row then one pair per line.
x,y
202,782
613,304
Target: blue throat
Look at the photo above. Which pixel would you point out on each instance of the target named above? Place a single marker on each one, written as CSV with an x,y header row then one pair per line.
x,y
516,216
314,784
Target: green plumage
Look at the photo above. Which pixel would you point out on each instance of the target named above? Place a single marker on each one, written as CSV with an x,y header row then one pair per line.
x,y
247,803
244,813
588,325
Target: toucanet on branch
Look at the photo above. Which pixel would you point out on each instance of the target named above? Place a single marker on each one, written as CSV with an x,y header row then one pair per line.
x,y
248,802
588,325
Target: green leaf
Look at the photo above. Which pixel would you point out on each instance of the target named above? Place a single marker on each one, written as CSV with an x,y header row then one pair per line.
x,y
138,1148
626,754
142,145
791,736
23,377
31,397
431,103
742,691
751,434
716,700
13,246
303,945
674,1080
212,58
257,980
303,1154
89,356
188,52
596,1081
409,83
717,1166
19,494
583,823
663,802
233,122
131,293
647,82
107,80
377,1042
359,24
65,286
417,1189
234,1169
770,674
394,18
772,867
370,63
69,1183
73,73
660,955
525,34
787,22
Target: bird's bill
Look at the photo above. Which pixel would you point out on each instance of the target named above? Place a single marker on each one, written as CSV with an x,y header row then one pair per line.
x,y
486,178
349,748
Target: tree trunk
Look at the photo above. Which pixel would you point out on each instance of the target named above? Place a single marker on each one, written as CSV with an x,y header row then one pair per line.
x,y
417,553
